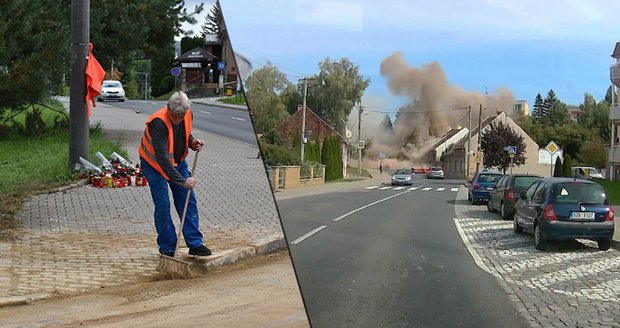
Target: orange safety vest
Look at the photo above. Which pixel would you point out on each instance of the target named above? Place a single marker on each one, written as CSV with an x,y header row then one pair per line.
x,y
146,149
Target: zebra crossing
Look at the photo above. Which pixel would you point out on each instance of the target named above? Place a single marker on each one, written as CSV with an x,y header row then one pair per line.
x,y
414,188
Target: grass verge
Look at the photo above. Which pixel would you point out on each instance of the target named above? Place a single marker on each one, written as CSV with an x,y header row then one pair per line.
x,y
34,164
165,96
234,100
352,170
613,190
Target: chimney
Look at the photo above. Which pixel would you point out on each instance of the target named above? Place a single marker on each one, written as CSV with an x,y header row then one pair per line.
x,y
616,53
300,107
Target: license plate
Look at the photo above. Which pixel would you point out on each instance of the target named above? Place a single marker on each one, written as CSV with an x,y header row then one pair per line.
x,y
582,216
489,188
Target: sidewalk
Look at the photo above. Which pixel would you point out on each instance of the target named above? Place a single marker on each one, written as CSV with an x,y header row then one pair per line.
x,y
376,179
214,102
84,237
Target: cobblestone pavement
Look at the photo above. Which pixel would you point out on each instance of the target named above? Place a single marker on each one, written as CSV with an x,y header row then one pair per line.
x,y
573,284
86,237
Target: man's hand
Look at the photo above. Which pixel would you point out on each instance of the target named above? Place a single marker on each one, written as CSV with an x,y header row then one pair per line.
x,y
197,144
190,183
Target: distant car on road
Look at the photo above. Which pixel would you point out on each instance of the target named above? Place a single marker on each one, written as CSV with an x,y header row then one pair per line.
x,y
504,195
565,208
112,89
481,185
402,177
436,172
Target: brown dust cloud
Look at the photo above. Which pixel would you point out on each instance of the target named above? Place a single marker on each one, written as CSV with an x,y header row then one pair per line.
x,y
433,107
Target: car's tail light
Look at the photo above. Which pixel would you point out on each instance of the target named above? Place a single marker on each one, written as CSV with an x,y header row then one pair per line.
x,y
610,214
549,214
476,186
511,195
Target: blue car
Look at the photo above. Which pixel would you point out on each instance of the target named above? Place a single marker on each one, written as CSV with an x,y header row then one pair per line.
x,y
481,185
565,208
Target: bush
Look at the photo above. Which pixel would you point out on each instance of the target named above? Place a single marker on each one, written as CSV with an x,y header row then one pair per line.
x,y
274,155
558,170
568,165
166,85
331,157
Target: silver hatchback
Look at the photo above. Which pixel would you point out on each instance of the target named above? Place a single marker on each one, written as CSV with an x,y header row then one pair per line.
x,y
436,172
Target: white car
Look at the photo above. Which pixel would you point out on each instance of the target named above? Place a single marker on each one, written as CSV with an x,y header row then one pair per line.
x,y
436,172
111,89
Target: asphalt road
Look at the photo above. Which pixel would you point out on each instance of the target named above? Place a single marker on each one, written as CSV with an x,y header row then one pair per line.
x,y
230,123
397,263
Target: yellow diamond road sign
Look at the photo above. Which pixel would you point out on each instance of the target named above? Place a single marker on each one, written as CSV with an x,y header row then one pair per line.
x,y
552,147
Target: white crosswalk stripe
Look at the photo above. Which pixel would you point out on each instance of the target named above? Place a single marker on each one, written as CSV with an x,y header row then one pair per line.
x,y
454,189
399,188
396,188
441,189
384,188
373,187
427,189
414,188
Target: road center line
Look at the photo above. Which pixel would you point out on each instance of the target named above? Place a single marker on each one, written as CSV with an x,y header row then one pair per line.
x,y
237,118
302,238
369,205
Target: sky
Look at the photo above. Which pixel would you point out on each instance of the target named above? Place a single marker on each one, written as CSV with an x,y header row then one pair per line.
x,y
526,46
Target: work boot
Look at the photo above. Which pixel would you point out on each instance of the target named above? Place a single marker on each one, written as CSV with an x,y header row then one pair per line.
x,y
167,253
200,251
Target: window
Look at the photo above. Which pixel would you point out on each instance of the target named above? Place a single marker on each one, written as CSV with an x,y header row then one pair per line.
x,y
541,193
530,190
524,181
577,192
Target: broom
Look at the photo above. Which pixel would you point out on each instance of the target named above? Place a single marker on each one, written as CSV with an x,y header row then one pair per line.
x,y
171,264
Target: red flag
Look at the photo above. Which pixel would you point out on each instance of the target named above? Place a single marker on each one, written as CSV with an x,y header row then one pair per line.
x,y
94,77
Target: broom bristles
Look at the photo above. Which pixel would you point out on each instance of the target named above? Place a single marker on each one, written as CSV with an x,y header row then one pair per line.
x,y
174,266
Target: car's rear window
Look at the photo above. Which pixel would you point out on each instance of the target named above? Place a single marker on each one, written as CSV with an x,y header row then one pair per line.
x,y
401,171
525,181
435,168
112,85
489,177
576,192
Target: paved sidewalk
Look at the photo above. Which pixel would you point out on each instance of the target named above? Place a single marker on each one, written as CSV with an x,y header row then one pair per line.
x,y
335,186
84,238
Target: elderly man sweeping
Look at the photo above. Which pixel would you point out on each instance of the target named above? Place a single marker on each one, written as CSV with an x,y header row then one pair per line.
x,y
163,150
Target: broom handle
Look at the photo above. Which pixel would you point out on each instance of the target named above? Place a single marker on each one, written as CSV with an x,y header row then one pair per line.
x,y
189,192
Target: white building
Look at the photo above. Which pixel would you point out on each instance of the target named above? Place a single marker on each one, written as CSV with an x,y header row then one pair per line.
x,y
613,157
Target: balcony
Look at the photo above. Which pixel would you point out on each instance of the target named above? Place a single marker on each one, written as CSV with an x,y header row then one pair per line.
x,y
614,112
614,155
614,74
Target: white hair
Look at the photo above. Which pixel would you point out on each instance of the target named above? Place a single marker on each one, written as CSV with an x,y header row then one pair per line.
x,y
178,103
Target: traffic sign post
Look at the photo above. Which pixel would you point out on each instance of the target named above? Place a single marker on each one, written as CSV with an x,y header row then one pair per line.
x,y
552,148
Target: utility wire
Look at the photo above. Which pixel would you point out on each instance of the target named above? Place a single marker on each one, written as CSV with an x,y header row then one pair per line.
x,y
415,112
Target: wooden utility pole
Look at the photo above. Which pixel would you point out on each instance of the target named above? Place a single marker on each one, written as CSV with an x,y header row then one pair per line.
x,y
359,140
479,140
303,120
468,143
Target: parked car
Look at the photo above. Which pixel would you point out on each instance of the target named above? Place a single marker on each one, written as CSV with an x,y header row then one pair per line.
x,y
436,172
586,172
111,89
504,196
481,185
565,208
402,177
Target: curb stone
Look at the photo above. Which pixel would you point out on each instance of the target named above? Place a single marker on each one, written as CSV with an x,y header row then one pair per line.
x,y
22,300
261,247
222,105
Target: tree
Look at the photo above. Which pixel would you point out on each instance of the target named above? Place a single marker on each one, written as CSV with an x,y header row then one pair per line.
x,y
556,111
189,43
341,88
263,89
331,157
34,52
495,139
567,170
386,124
213,21
558,170
586,110
291,98
539,111
592,153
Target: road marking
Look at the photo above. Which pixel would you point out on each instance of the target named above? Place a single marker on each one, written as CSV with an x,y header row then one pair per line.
x,y
427,189
441,189
369,205
415,188
384,188
205,112
302,238
470,248
454,189
399,188
237,118
373,187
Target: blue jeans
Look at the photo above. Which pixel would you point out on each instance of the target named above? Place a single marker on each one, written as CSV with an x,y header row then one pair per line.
x,y
166,233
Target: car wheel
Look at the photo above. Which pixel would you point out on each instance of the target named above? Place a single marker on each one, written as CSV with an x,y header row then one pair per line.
x,y
515,226
505,215
122,100
604,244
468,197
539,241
490,207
